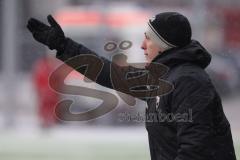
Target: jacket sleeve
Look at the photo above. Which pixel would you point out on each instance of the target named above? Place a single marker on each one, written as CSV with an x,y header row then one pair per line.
x,y
109,72
193,97
73,49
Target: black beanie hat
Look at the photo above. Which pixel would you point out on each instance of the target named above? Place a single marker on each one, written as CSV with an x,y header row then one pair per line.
x,y
172,28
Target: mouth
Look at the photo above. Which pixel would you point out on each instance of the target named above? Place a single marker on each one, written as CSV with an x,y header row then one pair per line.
x,y
146,57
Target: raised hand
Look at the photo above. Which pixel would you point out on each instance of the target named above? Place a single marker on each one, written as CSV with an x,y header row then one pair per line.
x,y
51,36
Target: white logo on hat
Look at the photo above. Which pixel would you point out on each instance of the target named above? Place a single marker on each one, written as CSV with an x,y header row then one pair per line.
x,y
152,19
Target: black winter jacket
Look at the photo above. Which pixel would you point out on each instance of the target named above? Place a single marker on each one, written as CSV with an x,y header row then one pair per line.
x,y
188,123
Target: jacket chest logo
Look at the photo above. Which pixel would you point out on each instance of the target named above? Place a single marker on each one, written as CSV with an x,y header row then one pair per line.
x,y
158,98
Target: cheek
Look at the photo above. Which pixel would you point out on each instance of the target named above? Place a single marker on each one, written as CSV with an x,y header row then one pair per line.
x,y
151,49
153,52
156,50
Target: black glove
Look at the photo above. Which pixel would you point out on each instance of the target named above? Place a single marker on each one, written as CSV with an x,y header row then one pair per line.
x,y
52,36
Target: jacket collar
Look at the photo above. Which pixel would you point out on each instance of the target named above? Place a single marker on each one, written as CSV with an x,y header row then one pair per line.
x,y
193,53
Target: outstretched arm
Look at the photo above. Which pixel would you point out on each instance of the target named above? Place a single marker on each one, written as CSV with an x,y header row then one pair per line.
x,y
73,49
53,37
127,79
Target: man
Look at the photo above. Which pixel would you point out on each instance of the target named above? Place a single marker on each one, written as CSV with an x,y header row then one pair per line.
x,y
194,126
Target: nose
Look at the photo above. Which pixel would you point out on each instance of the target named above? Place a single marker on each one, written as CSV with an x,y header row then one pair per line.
x,y
143,46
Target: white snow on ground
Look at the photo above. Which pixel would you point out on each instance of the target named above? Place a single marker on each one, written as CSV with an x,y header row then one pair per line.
x,y
25,140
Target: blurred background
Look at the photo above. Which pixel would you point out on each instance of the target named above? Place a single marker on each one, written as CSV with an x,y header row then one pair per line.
x,y
28,127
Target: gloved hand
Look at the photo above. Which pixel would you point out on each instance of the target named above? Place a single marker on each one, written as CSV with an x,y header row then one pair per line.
x,y
52,36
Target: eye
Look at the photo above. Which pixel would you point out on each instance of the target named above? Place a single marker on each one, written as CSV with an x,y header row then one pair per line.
x,y
146,36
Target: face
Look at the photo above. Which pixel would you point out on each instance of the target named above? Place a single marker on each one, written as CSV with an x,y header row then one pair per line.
x,y
151,50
